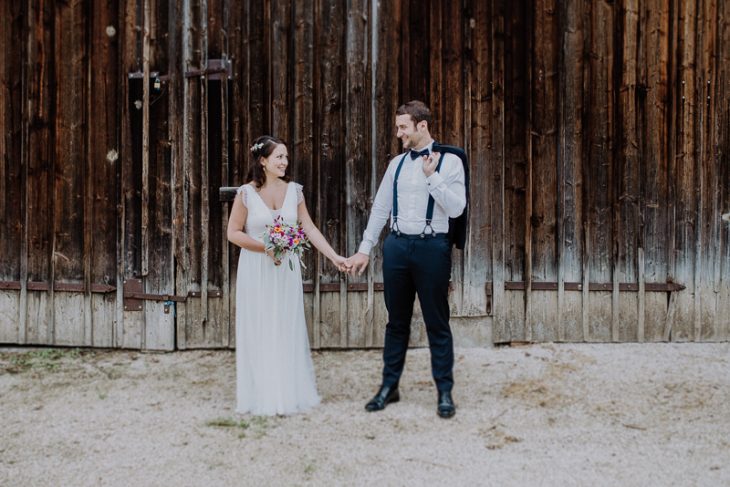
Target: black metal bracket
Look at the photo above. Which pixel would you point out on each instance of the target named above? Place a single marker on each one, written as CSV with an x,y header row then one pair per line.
x,y
134,296
216,69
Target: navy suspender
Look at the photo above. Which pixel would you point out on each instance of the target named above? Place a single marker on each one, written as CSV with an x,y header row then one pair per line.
x,y
395,194
429,208
431,202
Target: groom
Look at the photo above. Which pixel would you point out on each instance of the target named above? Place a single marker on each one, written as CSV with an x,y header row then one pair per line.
x,y
416,252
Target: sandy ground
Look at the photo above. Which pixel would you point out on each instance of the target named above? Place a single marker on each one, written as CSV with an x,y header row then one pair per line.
x,y
585,415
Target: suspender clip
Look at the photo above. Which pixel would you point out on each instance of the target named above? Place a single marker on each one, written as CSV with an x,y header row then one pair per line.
x,y
429,228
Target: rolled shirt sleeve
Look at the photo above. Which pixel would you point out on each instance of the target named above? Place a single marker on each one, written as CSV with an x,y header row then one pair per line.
x,y
380,212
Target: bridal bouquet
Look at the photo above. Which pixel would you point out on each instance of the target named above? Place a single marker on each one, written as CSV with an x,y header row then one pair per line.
x,y
286,240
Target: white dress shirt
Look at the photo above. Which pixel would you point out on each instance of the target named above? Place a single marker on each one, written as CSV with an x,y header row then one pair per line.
x,y
446,187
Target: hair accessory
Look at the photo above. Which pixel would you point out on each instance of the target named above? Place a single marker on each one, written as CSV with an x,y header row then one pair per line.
x,y
256,147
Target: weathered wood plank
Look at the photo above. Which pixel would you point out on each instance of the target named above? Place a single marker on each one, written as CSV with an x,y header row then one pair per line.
x,y
330,331
214,318
159,331
102,311
540,221
452,115
131,334
356,178
185,269
216,25
70,151
225,317
570,178
684,199
69,314
12,187
39,156
9,312
204,170
653,129
235,147
257,75
628,316
128,332
628,180
477,256
708,213
598,187
721,140
194,59
359,334
640,326
500,142
145,183
38,326
103,144
178,86
514,317
511,87
280,57
11,149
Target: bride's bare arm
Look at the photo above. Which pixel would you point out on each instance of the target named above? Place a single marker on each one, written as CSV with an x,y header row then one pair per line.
x,y
236,223
316,237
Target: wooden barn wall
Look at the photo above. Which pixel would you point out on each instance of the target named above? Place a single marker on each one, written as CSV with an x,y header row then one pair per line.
x,y
598,135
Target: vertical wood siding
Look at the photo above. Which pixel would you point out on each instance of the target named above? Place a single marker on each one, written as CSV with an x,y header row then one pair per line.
x,y
598,136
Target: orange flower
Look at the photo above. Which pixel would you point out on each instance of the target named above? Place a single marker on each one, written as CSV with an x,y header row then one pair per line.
x,y
296,241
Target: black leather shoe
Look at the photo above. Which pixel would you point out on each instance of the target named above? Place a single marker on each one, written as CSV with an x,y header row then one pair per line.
x,y
385,396
446,407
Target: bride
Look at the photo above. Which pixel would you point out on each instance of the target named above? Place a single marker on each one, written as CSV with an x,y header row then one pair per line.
x,y
274,372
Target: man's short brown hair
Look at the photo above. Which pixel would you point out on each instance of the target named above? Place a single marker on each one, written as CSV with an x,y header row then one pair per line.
x,y
417,110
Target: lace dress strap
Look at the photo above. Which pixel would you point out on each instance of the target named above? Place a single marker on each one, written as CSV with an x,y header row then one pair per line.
x,y
300,193
244,194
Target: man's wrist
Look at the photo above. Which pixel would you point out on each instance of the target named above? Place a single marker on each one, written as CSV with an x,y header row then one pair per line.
x,y
365,248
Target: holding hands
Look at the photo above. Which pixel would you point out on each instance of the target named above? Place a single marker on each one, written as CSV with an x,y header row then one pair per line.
x,y
341,263
337,260
357,263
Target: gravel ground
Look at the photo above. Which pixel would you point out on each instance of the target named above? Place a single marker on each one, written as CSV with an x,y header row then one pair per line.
x,y
549,414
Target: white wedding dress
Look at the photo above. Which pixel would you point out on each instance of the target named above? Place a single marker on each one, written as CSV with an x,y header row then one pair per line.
x,y
274,371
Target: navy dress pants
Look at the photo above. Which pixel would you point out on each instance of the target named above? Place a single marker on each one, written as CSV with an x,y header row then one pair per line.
x,y
417,266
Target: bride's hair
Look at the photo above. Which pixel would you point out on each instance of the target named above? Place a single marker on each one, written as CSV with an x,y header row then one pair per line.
x,y
262,147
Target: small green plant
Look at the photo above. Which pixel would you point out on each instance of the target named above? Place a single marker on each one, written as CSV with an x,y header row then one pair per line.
x,y
257,425
48,359
228,423
261,422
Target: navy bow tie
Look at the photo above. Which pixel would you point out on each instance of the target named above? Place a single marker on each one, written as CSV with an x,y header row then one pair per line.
x,y
416,154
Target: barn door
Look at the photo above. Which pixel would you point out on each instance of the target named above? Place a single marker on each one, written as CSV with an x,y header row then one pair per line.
x,y
202,251
174,253
145,246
